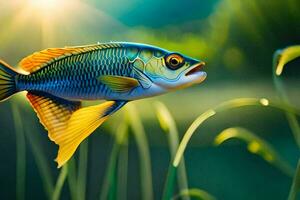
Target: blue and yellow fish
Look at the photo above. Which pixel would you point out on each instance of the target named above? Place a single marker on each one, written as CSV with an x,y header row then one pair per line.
x,y
59,79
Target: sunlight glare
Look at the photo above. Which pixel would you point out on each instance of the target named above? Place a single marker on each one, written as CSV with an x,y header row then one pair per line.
x,y
45,4
264,101
54,23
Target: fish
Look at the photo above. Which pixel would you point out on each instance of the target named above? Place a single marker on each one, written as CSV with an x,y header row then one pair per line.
x,y
58,80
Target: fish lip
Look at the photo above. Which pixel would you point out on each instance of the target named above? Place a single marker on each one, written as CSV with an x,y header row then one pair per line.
x,y
197,67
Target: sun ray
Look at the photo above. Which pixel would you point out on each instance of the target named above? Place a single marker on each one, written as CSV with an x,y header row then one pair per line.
x,y
14,26
87,21
49,23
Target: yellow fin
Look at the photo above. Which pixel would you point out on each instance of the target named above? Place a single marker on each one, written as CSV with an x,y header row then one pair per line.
x,y
53,112
43,58
119,83
68,124
81,124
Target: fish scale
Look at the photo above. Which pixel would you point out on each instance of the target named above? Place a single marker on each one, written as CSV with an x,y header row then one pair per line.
x,y
76,73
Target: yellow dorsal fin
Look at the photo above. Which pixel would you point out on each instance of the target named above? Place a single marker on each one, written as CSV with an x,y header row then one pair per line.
x,y
119,83
45,57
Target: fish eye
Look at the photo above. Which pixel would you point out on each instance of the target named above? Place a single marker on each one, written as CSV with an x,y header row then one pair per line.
x,y
174,61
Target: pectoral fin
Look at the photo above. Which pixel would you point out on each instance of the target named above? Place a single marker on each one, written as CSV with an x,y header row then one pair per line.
x,y
119,83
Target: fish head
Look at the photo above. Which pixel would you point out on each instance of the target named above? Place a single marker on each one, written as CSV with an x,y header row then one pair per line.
x,y
167,70
177,71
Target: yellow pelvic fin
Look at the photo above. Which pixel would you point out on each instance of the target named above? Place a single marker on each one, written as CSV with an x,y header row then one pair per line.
x,y
53,112
43,58
81,124
68,124
119,83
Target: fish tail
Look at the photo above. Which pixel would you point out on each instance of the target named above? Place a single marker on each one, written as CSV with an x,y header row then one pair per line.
x,y
7,81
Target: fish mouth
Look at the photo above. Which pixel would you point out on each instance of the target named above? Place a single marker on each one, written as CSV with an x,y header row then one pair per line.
x,y
197,68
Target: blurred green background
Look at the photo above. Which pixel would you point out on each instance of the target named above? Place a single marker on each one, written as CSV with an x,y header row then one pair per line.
x,y
236,39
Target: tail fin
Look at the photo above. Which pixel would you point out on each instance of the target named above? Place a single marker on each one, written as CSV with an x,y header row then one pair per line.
x,y
7,81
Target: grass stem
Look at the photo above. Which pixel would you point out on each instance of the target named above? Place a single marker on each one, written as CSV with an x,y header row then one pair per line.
x,y
144,154
168,124
123,171
226,106
109,179
195,193
72,182
41,162
60,182
280,59
296,184
82,170
21,154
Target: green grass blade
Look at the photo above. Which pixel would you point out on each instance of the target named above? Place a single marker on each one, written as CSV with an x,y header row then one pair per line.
x,y
123,171
72,178
255,145
169,183
21,153
41,162
226,106
196,194
60,182
82,170
168,124
109,178
280,59
144,154
295,127
296,184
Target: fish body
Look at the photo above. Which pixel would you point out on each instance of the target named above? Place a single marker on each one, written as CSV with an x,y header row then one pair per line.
x,y
60,78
